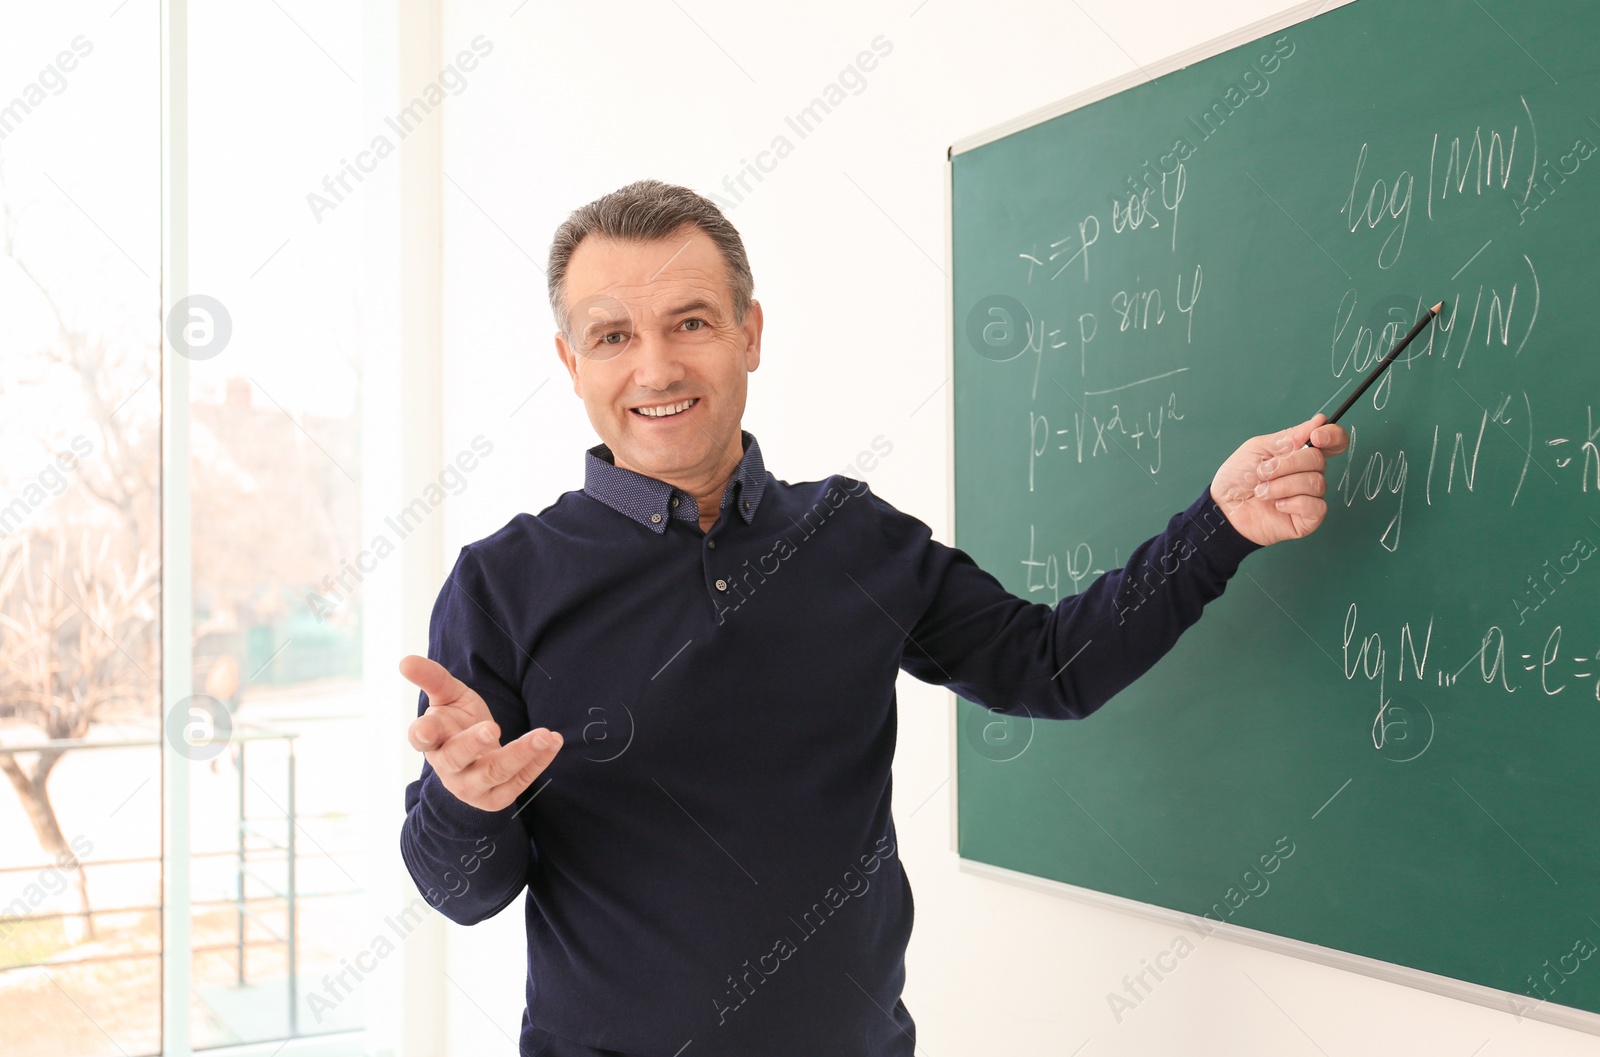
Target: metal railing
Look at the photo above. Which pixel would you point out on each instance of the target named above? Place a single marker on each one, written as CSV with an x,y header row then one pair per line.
x,y
247,860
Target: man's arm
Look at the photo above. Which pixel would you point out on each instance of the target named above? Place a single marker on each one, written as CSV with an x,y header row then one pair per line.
x,y
468,862
1065,661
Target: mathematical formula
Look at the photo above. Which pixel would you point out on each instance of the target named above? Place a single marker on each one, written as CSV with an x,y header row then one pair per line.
x,y
1506,659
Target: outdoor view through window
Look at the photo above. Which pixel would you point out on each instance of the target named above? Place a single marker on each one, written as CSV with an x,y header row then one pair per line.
x,y
272,447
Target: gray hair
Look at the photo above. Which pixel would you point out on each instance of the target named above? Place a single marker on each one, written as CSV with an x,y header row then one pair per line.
x,y
647,211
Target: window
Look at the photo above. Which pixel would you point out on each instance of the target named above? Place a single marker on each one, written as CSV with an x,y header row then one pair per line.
x,y
265,458
80,530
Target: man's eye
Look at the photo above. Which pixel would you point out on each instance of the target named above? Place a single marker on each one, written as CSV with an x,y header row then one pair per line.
x,y
696,320
613,334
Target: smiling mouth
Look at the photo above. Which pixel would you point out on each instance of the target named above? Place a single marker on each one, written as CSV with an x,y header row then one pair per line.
x,y
665,410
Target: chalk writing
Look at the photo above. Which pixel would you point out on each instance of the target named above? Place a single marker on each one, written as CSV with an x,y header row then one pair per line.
x,y
1589,469
1379,474
1385,203
1102,432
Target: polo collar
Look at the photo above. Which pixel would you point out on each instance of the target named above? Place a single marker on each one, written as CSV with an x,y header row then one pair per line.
x,y
651,502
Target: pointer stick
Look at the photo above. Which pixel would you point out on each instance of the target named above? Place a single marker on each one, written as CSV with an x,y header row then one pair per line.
x,y
1372,376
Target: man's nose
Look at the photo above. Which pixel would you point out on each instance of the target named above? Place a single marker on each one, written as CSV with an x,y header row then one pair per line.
x,y
657,362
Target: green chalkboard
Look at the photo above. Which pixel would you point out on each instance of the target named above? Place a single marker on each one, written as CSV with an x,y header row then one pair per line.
x,y
1384,739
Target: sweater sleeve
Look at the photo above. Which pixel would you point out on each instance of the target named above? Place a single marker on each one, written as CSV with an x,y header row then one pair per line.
x,y
470,863
1063,661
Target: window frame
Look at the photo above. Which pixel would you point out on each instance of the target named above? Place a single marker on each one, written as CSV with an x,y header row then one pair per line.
x,y
402,437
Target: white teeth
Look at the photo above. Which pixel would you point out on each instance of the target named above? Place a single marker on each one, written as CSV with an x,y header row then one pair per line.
x,y
664,411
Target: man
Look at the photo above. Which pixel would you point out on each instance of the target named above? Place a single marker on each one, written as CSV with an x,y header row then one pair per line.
x,y
711,867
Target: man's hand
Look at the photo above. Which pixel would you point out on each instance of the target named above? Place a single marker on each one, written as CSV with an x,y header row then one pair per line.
x,y
1271,489
462,741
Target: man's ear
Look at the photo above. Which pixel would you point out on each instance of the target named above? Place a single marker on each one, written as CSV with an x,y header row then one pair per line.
x,y
570,360
752,335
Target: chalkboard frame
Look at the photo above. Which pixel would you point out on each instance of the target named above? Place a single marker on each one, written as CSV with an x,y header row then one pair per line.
x,y
1447,986
1493,998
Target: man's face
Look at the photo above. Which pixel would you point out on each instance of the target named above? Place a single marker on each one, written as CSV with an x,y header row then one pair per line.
x,y
653,326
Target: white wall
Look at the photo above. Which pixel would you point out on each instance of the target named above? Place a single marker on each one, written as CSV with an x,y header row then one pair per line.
x,y
846,238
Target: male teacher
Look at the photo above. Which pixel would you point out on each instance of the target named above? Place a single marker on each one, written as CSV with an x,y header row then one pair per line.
x,y
710,863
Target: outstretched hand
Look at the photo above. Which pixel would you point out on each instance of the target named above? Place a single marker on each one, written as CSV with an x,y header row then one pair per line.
x,y
1271,489
461,740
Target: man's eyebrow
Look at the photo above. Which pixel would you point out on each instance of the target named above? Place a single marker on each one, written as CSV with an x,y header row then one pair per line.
x,y
699,304
602,321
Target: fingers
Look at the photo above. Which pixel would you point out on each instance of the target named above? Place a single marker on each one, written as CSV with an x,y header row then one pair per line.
x,y
497,777
476,751
441,687
1280,488
1306,508
526,777
462,748
1287,440
1332,440
519,761
1297,460
1298,435
436,726
452,704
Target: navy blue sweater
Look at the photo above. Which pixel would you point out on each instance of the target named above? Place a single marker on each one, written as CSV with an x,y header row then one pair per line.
x,y
710,860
